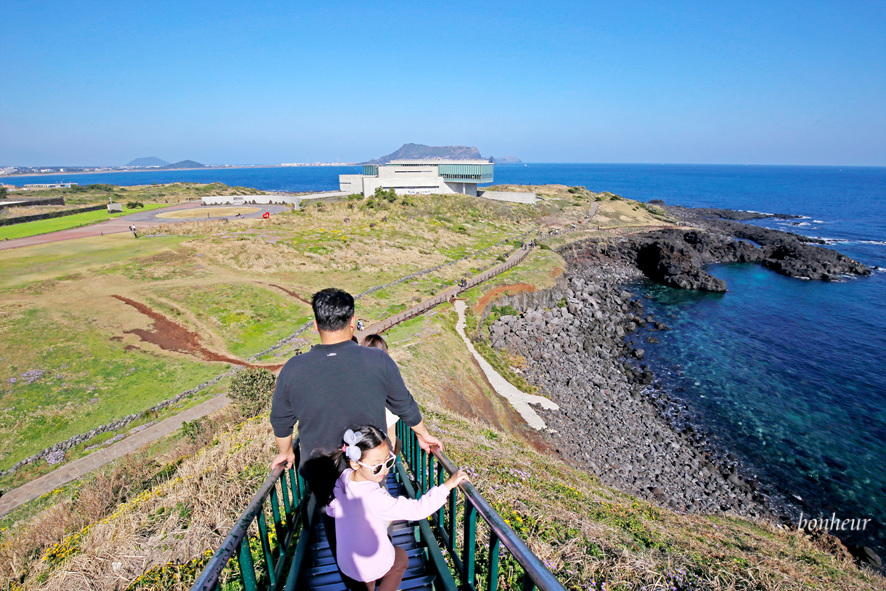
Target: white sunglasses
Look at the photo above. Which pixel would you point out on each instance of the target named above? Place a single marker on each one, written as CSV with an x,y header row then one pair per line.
x,y
386,465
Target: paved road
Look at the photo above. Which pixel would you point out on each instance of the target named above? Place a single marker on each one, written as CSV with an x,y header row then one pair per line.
x,y
97,459
141,219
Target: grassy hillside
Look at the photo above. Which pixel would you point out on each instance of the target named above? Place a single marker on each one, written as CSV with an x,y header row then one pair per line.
x,y
134,199
161,515
103,327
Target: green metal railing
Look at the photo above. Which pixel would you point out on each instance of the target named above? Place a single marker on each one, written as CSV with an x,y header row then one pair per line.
x,y
291,509
455,526
430,469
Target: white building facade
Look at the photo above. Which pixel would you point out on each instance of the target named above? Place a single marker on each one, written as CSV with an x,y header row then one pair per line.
x,y
419,177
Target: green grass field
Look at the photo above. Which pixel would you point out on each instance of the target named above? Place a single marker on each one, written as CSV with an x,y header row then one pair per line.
x,y
67,222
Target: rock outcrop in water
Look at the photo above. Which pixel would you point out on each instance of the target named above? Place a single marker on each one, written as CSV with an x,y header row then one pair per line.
x,y
614,418
677,257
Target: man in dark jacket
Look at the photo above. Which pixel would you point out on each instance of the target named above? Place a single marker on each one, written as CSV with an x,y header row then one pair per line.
x,y
338,385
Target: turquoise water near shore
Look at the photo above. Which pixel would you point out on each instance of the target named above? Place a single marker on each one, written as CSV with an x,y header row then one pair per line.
x,y
787,374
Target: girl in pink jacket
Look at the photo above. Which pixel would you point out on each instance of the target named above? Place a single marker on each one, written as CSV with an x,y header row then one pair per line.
x,y
362,509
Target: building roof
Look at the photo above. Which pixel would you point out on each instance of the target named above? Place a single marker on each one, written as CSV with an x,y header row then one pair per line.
x,y
435,161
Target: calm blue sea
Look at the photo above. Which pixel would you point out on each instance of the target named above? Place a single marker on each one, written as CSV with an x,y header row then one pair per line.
x,y
787,374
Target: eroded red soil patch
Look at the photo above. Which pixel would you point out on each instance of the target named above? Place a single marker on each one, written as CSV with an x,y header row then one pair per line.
x,y
291,293
170,336
511,289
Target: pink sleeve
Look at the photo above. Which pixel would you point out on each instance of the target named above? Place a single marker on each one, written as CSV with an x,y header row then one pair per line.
x,y
391,509
332,509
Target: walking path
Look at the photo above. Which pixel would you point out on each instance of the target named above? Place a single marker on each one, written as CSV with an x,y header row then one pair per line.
x,y
521,401
97,459
120,224
78,468
83,466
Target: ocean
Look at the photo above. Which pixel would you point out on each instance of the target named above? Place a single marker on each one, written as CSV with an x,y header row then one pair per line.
x,y
785,374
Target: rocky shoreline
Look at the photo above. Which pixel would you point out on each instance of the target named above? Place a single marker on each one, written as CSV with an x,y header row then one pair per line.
x,y
615,419
677,257
612,418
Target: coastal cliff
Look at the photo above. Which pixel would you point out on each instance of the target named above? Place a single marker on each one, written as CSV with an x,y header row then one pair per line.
x,y
677,257
615,417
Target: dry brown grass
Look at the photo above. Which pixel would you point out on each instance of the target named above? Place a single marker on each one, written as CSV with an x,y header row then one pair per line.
x,y
145,510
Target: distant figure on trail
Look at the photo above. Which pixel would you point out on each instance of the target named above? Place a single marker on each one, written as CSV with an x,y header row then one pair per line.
x,y
336,385
361,510
378,342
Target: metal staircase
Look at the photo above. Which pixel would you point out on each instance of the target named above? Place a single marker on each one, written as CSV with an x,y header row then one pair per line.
x,y
445,551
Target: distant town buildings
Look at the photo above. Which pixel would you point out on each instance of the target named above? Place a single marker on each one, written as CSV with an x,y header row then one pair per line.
x,y
419,177
50,186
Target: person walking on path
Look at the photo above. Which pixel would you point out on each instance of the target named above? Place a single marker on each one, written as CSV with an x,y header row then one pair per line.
x,y
378,341
337,385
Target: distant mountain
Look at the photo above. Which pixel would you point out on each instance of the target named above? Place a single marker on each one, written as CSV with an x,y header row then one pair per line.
x,y
185,164
507,160
422,152
149,161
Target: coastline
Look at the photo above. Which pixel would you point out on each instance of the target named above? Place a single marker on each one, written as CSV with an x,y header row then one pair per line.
x,y
119,171
582,342
613,420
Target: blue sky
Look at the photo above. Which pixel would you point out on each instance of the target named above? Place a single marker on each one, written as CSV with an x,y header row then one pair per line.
x,y
100,82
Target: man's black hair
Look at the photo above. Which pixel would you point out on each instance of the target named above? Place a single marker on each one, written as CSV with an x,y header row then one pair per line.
x,y
333,309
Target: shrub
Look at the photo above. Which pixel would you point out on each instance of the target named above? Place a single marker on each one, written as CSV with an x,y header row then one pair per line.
x,y
252,388
134,204
3,192
193,430
390,195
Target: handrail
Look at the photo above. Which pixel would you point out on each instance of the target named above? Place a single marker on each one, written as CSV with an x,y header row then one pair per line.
x,y
237,541
536,575
281,565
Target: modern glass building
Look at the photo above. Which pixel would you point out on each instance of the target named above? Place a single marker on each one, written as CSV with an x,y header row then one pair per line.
x,y
420,177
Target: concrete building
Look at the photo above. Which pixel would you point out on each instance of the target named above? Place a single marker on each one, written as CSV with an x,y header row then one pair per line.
x,y
276,199
419,177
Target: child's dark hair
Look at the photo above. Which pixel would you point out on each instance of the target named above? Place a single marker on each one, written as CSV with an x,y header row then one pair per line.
x,y
323,470
376,341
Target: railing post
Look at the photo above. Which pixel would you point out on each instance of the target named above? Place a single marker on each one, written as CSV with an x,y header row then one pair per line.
x,y
275,508
247,567
263,535
453,517
470,543
494,545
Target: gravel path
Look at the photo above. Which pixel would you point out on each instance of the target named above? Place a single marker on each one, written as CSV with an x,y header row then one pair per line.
x,y
519,400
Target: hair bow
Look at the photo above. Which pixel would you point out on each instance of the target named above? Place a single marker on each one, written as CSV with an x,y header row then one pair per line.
x,y
350,448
